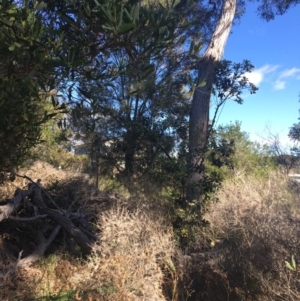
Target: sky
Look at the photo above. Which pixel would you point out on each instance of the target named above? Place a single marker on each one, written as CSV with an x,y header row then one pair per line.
x,y
274,49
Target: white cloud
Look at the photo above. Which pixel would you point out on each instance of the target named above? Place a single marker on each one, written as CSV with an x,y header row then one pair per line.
x,y
280,84
289,72
257,76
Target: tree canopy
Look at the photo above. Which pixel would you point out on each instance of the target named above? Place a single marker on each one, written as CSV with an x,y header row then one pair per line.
x,y
125,71
268,9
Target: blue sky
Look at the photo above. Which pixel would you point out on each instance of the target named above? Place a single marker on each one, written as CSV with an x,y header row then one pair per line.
x,y
274,49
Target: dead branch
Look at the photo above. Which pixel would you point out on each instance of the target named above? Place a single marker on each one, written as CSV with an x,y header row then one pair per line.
x,y
27,219
7,210
10,271
78,235
40,250
38,185
74,224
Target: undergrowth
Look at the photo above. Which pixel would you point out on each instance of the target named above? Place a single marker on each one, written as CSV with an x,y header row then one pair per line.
x,y
249,251
254,233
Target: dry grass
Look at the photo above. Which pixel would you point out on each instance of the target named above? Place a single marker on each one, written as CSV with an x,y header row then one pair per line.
x,y
133,250
255,229
129,262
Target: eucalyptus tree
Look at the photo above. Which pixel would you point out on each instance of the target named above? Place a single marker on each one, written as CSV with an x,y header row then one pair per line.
x,y
199,113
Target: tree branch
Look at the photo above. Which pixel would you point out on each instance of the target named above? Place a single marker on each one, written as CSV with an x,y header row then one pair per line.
x,y
27,219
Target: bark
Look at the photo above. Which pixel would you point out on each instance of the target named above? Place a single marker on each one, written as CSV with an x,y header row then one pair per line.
x,y
199,114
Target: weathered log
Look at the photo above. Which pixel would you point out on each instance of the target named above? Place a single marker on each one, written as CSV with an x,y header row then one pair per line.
x,y
7,210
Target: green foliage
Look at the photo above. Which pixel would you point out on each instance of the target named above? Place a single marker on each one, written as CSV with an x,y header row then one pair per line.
x,y
56,146
230,81
291,160
268,9
61,296
246,157
133,115
230,152
291,265
25,81
214,154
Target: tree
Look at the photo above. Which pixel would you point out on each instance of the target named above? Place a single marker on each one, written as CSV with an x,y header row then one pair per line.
x,y
44,45
138,111
289,159
294,133
199,114
228,83
247,157
268,9
26,81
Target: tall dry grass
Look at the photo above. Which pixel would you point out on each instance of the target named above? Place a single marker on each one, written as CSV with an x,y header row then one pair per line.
x,y
254,229
130,262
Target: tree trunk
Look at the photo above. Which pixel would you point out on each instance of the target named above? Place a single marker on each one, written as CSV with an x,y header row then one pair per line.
x,y
199,114
129,153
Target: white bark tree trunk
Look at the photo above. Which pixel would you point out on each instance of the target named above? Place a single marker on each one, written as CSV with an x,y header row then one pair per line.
x,y
199,114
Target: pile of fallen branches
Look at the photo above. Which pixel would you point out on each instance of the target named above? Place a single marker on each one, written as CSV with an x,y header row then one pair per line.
x,y
35,211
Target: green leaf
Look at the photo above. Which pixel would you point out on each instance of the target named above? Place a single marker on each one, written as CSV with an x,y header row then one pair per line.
x,y
12,47
12,11
163,4
128,14
288,265
6,22
202,84
294,262
40,5
49,116
107,27
125,28
121,17
54,102
25,118
107,13
136,12
192,47
175,2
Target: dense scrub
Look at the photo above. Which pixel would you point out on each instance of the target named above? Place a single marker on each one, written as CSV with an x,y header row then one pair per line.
x,y
241,255
254,231
128,261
